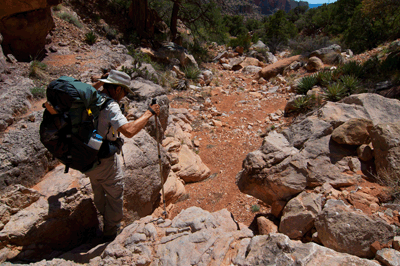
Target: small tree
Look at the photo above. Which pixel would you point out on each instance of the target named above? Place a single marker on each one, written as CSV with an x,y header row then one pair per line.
x,y
278,31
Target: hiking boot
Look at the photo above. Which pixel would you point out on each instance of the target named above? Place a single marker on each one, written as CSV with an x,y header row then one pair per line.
x,y
112,234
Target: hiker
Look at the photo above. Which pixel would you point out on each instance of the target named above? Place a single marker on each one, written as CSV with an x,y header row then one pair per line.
x,y
107,178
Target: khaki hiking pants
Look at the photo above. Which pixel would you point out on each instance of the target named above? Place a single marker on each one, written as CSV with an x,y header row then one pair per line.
x,y
107,181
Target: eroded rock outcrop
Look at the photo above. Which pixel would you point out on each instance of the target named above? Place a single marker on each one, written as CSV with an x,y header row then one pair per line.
x,y
344,230
304,155
385,141
24,26
142,175
197,237
321,153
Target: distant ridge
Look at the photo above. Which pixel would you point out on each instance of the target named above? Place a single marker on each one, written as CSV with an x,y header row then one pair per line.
x,y
314,5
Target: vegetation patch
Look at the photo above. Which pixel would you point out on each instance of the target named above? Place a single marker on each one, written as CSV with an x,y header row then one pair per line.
x,y
306,84
39,92
90,38
70,18
36,69
191,72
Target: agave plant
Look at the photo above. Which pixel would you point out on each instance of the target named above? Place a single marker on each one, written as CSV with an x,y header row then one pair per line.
x,y
90,37
306,84
352,68
324,78
351,83
303,103
335,92
192,72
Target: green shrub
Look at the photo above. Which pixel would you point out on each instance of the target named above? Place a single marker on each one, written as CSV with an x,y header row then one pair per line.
x,y
199,52
255,208
69,18
39,92
139,57
303,103
242,40
335,92
57,7
352,68
351,83
391,63
306,44
90,38
192,72
324,78
306,84
36,69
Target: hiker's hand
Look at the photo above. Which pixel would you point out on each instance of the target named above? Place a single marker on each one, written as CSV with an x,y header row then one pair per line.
x,y
155,109
94,78
104,76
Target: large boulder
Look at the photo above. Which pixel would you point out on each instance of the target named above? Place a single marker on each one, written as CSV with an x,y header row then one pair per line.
x,y
142,175
15,96
259,45
385,140
277,68
173,188
278,249
308,129
52,222
314,64
388,256
179,126
328,55
191,168
353,132
20,6
24,159
25,32
186,240
274,172
346,230
379,109
299,214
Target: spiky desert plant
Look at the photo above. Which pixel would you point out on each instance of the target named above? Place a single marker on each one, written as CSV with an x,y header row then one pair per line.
x,y
324,78
351,83
90,37
302,104
335,92
306,84
352,68
192,72
36,69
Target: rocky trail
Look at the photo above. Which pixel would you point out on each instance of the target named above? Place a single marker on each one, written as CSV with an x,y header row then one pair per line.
x,y
231,115
226,131
248,185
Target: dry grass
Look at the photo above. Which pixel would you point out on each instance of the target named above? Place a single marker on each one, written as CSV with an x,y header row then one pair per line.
x,y
390,180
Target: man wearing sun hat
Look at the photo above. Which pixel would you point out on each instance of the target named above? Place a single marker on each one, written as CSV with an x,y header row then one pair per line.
x,y
107,178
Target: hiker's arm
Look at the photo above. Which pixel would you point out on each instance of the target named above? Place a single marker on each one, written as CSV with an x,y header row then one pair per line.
x,y
132,128
97,85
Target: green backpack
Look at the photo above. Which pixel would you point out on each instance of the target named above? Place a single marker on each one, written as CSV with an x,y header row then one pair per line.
x,y
69,122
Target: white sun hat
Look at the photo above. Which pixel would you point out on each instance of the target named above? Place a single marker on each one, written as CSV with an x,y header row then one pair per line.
x,y
118,78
